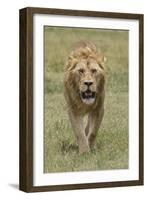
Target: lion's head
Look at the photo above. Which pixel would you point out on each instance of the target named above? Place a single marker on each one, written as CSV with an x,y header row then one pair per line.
x,y
85,72
88,75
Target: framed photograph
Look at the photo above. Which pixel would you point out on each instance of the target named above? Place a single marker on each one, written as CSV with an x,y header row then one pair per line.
x,y
81,99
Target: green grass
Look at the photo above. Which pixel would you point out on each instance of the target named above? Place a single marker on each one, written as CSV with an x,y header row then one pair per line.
x,y
60,147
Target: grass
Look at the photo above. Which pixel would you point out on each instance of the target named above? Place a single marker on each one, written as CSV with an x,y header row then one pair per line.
x,y
60,147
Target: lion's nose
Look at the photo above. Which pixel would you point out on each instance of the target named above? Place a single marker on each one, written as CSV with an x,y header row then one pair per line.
x,y
88,83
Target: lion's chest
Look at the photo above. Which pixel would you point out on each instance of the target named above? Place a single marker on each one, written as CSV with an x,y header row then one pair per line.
x,y
83,109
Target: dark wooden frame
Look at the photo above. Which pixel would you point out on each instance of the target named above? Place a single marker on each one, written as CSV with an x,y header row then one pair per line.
x,y
26,99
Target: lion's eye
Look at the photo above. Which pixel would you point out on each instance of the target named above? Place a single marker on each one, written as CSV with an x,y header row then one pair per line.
x,y
81,71
93,71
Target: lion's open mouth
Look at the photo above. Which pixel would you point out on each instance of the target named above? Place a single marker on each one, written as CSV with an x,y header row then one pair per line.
x,y
88,96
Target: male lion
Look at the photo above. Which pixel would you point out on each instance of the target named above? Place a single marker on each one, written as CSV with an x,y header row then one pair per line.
x,y
84,90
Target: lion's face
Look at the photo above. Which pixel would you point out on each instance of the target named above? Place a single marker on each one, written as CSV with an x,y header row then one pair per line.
x,y
88,74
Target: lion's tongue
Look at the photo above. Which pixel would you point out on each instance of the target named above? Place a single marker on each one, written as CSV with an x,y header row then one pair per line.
x,y
88,94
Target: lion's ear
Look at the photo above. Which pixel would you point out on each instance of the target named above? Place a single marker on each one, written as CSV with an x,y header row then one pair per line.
x,y
101,60
104,59
71,62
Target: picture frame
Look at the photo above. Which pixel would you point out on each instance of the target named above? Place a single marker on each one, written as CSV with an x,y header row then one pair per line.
x,y
28,140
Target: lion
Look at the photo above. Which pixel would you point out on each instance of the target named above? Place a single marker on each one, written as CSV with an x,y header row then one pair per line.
x,y
84,91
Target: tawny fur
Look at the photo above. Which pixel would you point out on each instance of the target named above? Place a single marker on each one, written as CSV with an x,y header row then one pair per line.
x,y
84,63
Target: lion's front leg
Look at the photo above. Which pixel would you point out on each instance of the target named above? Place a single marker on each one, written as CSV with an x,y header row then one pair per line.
x,y
94,121
78,127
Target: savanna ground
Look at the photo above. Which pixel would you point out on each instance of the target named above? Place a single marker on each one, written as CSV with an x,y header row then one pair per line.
x,y
60,147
